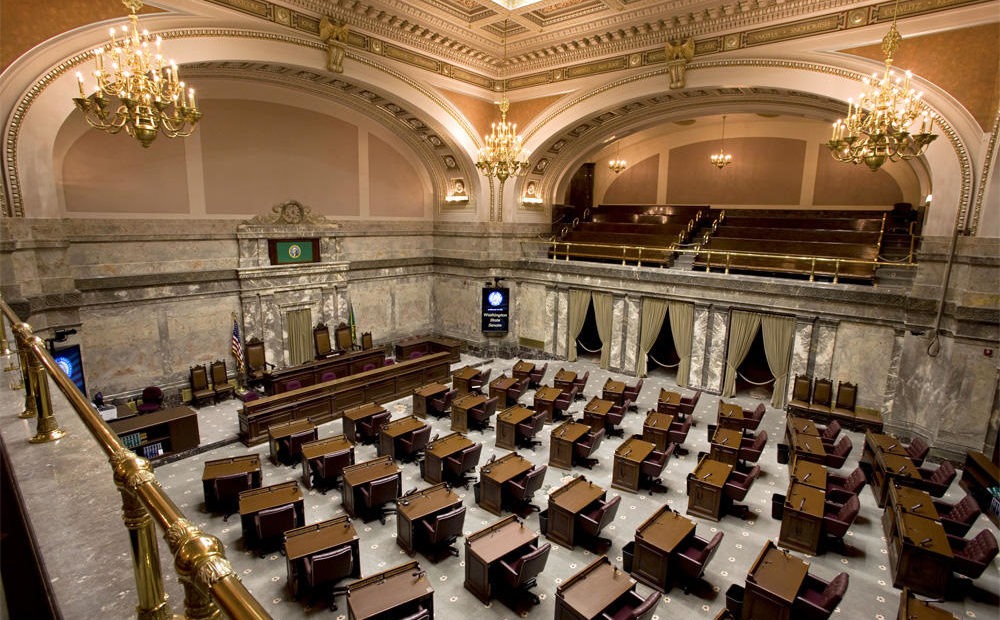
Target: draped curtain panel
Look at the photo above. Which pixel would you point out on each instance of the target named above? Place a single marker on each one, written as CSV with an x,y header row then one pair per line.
x,y
778,332
650,323
682,327
300,343
603,313
578,301
742,330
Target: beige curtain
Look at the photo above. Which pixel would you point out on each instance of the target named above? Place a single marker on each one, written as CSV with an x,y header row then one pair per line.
x,y
651,321
578,302
603,313
682,327
778,332
742,330
300,344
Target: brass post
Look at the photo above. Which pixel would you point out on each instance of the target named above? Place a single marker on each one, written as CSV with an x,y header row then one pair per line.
x,y
130,472
812,269
47,428
729,258
836,270
4,345
22,358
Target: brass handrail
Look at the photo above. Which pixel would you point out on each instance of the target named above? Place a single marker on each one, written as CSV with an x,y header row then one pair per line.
x,y
210,583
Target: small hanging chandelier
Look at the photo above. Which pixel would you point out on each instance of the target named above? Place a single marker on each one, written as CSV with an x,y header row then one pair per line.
x,y
618,164
722,159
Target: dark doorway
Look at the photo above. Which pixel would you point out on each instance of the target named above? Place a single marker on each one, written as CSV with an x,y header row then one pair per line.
x,y
753,377
588,343
662,360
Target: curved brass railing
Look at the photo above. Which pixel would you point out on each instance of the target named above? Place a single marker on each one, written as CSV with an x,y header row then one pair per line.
x,y
211,586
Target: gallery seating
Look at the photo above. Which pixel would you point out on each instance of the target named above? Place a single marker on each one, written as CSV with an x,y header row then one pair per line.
x,y
973,555
591,522
631,394
836,457
479,416
323,571
376,495
937,481
440,406
693,557
152,400
585,447
817,599
518,575
521,490
752,447
838,518
456,466
270,525
633,606
220,381
957,518
201,391
444,529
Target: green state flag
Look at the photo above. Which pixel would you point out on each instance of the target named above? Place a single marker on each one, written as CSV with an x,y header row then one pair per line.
x,y
294,251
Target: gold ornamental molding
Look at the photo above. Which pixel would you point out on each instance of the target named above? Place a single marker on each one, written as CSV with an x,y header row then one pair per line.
x,y
984,175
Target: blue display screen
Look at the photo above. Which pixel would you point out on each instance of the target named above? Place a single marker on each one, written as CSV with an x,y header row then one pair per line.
x,y
71,362
496,309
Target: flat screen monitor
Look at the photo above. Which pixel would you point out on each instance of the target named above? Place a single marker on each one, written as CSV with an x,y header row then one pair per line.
x,y
71,362
496,308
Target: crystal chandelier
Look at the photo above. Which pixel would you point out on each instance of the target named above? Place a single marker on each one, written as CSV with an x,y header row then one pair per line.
x,y
722,159
137,90
618,164
503,155
878,127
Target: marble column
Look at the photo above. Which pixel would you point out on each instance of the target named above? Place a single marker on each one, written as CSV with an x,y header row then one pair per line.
x,y
801,342
699,347
715,349
823,344
333,305
892,376
630,352
551,319
562,320
618,331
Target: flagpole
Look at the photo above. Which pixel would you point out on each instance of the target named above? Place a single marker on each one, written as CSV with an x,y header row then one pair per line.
x,y
237,349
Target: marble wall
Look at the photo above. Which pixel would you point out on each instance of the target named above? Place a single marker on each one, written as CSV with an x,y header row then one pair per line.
x,y
862,356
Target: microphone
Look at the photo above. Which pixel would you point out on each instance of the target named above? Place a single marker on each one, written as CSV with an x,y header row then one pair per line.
x,y
418,574
493,458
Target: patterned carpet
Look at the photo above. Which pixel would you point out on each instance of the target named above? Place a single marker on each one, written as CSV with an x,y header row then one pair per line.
x,y
865,558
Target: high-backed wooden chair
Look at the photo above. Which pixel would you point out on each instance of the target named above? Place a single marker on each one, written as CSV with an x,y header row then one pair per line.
x,y
321,340
847,395
256,359
344,339
220,381
366,341
801,392
201,391
822,399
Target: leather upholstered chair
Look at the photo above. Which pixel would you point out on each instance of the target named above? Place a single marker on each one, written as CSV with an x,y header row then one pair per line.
x,y
838,518
973,555
152,400
585,448
614,417
369,428
822,399
322,571
521,490
847,396
201,391
752,447
837,456
580,383
917,450
590,523
937,481
754,417
562,403
479,416
456,466
693,557
633,606
520,574
528,430
270,526
651,468
830,433
227,492
631,393
376,495
852,483
737,486
801,392
328,469
817,599
440,406
444,529
678,431
482,380
413,446
290,447
958,518
536,376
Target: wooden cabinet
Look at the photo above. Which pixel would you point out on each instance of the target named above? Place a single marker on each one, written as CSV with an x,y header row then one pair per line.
x,y
160,433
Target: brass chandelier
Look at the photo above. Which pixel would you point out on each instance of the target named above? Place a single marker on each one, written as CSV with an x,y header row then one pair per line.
x,y
617,164
722,159
137,90
877,128
503,155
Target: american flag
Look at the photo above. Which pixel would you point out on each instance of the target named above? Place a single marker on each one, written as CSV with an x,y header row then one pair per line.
x,y
238,347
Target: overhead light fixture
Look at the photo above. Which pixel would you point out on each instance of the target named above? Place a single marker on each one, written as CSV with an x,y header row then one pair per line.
x,y
722,159
137,90
877,128
618,164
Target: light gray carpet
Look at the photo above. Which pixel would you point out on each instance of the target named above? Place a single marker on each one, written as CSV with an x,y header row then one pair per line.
x,y
870,594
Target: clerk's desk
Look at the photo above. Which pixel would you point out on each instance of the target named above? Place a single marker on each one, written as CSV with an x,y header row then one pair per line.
x,y
419,506
614,391
354,416
802,517
425,393
507,421
395,593
565,504
218,468
484,550
705,488
395,431
561,443
461,379
912,608
545,398
656,429
499,389
627,464
726,445
437,451
592,591
361,475
282,430
255,500
460,411
314,450
654,562
920,555
595,411
772,584
311,540
493,477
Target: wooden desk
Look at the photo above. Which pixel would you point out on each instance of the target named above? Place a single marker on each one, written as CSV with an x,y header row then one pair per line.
x,y
565,504
461,379
499,388
772,584
911,500
218,468
614,391
731,416
425,393
311,373
920,556
277,432
361,474
396,430
887,465
460,411
704,488
726,445
429,345
316,449
912,608
628,460
303,542
493,476
394,593
807,472
255,500
656,429
485,548
421,506
522,369
353,417
595,411
587,594
807,447
655,542
803,426
507,422
668,402
561,443
979,474
545,398
160,433
802,518
437,451
564,379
